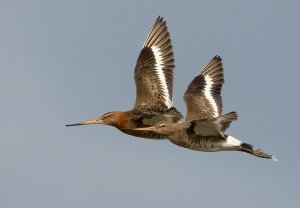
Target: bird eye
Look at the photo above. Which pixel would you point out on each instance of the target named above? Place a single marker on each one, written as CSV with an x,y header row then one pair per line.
x,y
162,125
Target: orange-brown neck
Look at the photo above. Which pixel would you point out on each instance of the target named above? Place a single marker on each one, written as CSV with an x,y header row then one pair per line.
x,y
122,120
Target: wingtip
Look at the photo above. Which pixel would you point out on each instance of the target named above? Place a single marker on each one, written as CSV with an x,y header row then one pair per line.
x,y
157,32
217,57
160,19
214,65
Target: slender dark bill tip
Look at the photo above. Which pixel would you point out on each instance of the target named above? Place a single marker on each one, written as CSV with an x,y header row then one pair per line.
x,y
76,124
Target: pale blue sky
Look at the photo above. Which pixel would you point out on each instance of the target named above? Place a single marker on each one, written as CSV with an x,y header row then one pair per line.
x,y
69,61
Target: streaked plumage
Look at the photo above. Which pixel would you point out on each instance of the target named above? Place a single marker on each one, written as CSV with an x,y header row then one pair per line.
x,y
153,76
205,126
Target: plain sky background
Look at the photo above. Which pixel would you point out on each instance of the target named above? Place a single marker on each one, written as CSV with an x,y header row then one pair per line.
x,y
69,61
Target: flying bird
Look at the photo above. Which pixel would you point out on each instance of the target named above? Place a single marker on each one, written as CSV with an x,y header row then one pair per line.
x,y
153,76
204,127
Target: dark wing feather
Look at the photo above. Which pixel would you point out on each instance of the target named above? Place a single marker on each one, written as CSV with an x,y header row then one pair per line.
x,y
203,96
154,69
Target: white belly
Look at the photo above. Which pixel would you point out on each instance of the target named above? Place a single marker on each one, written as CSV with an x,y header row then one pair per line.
x,y
207,143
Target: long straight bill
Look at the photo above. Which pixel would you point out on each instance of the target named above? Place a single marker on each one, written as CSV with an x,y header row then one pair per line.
x,y
97,121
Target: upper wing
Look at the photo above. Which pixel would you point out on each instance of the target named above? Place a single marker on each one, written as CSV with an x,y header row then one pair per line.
x,y
203,96
154,68
213,127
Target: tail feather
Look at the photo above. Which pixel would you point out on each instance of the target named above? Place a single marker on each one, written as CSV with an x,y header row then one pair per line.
x,y
244,147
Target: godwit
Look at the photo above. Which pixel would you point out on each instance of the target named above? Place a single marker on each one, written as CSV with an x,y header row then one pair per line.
x,y
153,76
204,128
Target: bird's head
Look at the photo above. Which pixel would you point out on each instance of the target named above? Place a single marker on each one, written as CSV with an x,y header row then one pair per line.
x,y
162,127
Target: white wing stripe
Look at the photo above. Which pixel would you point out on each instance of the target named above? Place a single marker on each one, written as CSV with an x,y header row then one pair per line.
x,y
209,97
161,75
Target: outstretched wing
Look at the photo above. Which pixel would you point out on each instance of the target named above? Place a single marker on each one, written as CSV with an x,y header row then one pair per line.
x,y
203,98
212,127
154,68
